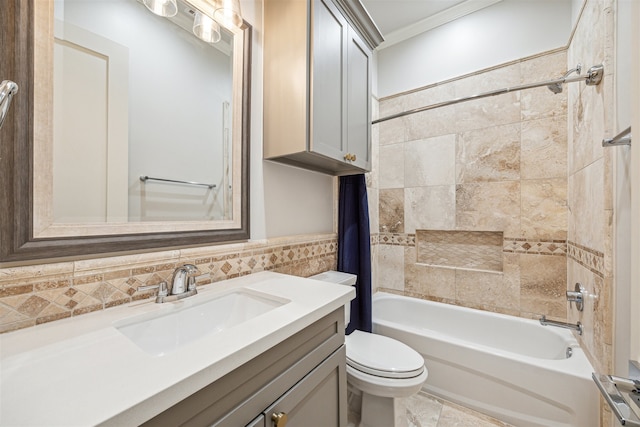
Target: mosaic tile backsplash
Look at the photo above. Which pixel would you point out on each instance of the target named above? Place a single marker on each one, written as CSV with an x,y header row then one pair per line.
x,y
40,294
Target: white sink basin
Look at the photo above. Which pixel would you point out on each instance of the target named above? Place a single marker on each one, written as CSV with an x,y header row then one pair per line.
x,y
163,333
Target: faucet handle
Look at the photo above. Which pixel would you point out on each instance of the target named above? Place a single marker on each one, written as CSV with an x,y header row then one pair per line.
x,y
192,272
162,288
577,296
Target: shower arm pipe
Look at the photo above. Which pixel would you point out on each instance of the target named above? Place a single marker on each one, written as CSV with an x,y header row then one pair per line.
x,y
592,78
7,90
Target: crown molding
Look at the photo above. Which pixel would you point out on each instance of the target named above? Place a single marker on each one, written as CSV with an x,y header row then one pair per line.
x,y
448,15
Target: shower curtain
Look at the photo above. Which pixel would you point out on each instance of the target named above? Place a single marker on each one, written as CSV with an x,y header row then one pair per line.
x,y
354,246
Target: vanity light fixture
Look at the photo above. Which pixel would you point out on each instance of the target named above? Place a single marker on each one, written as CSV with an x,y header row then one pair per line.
x,y
166,8
206,28
228,13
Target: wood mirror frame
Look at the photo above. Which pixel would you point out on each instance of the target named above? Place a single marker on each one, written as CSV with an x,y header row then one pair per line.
x,y
17,242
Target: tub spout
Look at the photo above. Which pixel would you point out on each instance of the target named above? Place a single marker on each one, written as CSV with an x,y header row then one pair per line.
x,y
577,327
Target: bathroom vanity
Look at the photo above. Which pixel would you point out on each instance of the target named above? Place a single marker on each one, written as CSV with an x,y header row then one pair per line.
x,y
277,357
317,84
302,379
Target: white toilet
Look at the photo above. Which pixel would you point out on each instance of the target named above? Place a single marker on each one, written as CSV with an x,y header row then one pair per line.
x,y
379,368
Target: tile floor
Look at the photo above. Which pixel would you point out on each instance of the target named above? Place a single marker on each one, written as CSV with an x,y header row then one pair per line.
x,y
425,410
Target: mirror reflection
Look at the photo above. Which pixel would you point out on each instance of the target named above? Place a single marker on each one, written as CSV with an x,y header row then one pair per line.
x,y
143,114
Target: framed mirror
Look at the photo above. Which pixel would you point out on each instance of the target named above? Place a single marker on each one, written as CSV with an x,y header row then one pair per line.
x,y
130,131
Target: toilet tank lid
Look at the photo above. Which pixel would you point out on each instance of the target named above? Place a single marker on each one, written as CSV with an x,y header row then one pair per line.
x,y
336,277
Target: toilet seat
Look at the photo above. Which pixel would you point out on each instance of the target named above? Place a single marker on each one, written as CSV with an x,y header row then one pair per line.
x,y
382,356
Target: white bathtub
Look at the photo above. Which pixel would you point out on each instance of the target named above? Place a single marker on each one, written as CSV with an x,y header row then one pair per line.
x,y
511,368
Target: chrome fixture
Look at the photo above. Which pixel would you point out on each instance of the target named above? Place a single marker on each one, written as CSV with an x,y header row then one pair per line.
x,y
184,280
577,296
557,86
622,395
577,327
623,138
7,90
592,78
166,8
183,285
145,178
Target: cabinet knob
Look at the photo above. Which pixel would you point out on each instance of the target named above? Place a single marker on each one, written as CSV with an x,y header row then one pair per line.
x,y
350,157
353,157
279,419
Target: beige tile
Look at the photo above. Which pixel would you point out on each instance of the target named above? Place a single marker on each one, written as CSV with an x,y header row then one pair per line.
x,y
438,282
544,209
391,210
422,410
429,208
544,67
18,275
489,206
391,166
486,289
429,96
540,102
490,154
430,162
392,131
543,285
487,112
497,78
431,123
456,416
391,267
544,148
586,224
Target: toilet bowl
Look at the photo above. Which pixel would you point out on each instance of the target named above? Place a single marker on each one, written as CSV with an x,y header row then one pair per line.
x,y
379,369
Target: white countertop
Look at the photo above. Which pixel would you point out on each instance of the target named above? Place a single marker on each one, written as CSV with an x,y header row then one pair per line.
x,y
82,371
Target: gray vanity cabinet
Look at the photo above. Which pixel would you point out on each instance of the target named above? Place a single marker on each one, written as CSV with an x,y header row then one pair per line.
x,y
317,87
303,379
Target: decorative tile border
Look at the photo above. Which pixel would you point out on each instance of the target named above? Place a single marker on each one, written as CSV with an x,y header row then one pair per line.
x,y
589,258
526,246
509,244
32,295
397,239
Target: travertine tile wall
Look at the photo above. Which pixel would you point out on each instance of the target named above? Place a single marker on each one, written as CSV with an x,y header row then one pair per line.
x,y
590,185
44,293
496,165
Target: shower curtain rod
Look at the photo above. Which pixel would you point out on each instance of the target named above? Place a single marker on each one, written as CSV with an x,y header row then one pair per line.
x,y
592,78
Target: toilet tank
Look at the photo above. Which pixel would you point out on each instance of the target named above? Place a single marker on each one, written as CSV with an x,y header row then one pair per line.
x,y
339,278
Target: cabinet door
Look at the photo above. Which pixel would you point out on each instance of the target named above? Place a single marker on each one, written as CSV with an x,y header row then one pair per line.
x,y
359,101
258,422
318,400
328,80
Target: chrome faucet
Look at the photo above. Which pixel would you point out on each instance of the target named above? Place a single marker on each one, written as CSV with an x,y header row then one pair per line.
x,y
577,327
184,280
183,285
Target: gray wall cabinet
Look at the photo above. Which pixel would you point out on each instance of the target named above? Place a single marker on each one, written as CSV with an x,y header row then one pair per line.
x,y
302,381
317,85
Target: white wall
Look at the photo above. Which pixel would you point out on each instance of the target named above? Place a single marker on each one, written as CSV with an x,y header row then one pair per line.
x,y
284,200
503,32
